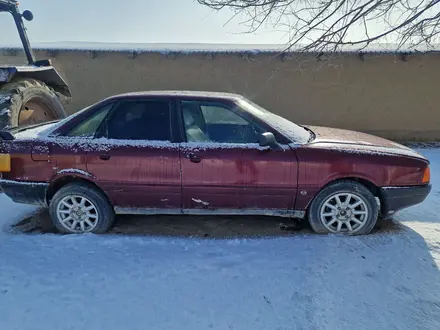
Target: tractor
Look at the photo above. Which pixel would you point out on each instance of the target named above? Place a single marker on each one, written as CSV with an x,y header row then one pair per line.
x,y
32,93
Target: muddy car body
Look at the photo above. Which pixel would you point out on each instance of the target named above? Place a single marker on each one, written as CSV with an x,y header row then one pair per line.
x,y
206,153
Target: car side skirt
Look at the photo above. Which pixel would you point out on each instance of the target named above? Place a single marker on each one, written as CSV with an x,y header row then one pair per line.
x,y
158,211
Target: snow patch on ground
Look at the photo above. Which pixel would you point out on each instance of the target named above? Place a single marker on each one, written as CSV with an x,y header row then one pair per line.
x,y
305,282
387,280
11,213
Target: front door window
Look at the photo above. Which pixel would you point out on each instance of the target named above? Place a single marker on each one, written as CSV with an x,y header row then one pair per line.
x,y
211,122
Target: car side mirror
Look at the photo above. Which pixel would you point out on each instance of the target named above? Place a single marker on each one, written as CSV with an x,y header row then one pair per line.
x,y
267,139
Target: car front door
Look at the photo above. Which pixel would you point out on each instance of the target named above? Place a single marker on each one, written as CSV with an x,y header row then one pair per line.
x,y
134,157
225,169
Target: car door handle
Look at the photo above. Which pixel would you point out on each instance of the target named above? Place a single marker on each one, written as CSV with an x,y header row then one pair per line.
x,y
104,157
194,158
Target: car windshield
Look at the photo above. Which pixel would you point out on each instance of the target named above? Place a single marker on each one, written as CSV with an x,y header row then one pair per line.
x,y
294,132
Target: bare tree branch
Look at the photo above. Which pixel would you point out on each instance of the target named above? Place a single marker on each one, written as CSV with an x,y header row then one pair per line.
x,y
331,25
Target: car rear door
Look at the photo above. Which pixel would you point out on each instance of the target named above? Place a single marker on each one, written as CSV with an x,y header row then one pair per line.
x,y
224,168
135,159
69,149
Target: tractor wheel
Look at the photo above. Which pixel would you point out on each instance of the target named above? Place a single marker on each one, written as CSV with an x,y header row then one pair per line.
x,y
28,101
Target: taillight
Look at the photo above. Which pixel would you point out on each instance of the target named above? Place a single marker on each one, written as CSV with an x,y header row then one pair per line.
x,y
5,163
426,175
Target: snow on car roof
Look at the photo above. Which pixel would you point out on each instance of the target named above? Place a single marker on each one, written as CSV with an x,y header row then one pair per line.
x,y
187,93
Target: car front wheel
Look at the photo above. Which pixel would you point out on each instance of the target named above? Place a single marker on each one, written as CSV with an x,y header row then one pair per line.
x,y
81,208
344,207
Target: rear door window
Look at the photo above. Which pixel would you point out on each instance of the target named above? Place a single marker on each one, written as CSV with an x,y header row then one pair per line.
x,y
139,120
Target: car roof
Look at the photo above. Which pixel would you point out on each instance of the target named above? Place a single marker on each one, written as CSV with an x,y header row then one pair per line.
x,y
180,93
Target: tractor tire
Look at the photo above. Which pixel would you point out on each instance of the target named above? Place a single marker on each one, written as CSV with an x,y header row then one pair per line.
x,y
28,101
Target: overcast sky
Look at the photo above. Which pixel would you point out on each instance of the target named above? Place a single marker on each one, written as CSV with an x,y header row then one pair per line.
x,y
140,21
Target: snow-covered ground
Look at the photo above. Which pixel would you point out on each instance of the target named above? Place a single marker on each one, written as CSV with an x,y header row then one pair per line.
x,y
387,280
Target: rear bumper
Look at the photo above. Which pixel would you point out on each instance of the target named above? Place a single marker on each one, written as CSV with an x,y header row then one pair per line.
x,y
397,198
25,192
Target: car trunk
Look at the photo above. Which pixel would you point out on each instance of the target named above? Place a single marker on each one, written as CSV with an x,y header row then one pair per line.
x,y
21,146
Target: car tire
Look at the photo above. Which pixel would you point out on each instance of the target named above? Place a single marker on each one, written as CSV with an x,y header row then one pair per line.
x,y
79,208
330,212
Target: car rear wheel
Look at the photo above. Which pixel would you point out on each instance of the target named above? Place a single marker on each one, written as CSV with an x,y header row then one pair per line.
x,y
345,207
81,208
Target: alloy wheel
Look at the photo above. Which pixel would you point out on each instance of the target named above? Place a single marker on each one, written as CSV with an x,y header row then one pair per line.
x,y
344,213
77,214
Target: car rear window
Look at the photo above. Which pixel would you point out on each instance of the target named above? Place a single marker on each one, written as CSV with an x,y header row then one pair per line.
x,y
89,126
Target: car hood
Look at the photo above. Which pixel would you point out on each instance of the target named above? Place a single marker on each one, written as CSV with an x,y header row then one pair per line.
x,y
335,138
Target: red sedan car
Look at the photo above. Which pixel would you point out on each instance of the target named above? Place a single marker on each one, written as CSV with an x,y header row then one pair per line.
x,y
205,153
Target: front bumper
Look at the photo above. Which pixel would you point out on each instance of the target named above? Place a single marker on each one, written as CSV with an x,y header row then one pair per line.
x,y
25,192
394,199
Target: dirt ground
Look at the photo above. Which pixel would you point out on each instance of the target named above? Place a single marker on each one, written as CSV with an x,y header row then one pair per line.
x,y
193,226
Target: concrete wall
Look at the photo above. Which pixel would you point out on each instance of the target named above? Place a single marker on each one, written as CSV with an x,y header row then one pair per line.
x,y
381,94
